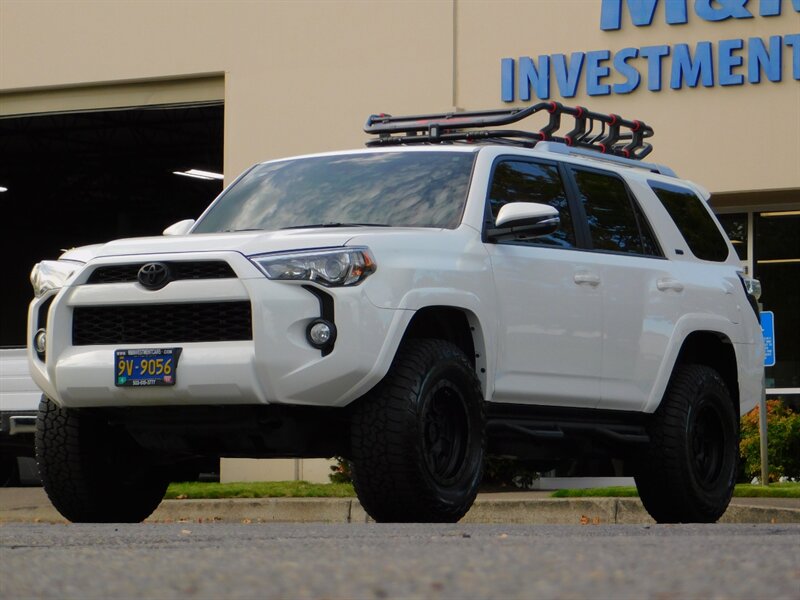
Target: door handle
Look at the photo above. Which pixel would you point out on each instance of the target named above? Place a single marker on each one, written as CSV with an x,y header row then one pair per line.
x,y
667,283
584,277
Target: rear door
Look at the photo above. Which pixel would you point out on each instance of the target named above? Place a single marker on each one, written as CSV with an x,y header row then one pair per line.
x,y
641,293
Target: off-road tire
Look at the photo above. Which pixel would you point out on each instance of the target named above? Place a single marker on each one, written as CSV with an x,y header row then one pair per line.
x,y
418,438
92,472
689,470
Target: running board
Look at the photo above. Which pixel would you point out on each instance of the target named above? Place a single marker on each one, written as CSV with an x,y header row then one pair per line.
x,y
557,430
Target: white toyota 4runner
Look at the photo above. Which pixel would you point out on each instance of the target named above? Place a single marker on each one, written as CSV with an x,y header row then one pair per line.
x,y
455,290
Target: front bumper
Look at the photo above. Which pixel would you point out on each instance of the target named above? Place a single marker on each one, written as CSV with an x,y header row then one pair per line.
x,y
277,365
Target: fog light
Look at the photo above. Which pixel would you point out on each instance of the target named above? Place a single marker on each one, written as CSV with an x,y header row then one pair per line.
x,y
321,333
40,341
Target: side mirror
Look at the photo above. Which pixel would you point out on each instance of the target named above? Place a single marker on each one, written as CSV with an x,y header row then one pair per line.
x,y
523,220
179,228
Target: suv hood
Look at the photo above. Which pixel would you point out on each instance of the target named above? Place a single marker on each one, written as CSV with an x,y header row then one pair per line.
x,y
247,243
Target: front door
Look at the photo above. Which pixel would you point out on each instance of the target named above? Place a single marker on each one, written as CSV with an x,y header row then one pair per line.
x,y
549,295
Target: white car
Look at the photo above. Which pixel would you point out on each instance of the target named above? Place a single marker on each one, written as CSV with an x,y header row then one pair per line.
x,y
19,400
412,306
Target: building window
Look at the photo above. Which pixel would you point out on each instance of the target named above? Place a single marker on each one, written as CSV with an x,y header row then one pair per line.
x,y
776,254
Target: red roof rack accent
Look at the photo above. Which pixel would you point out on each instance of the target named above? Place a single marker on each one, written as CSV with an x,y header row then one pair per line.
x,y
607,133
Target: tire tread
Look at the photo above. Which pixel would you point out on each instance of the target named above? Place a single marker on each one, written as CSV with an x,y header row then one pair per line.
x,y
387,465
663,478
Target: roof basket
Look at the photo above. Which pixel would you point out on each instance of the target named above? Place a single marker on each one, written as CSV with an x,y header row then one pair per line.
x,y
608,134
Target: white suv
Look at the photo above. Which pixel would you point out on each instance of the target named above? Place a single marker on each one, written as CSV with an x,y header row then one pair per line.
x,y
456,290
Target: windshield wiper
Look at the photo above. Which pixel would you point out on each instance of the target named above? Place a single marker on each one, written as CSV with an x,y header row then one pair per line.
x,y
238,230
332,224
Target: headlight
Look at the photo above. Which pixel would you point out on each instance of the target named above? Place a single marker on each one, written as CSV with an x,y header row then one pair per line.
x,y
51,275
753,287
333,268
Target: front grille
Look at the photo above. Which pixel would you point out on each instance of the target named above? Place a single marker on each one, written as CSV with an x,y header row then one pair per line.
x,y
162,323
198,269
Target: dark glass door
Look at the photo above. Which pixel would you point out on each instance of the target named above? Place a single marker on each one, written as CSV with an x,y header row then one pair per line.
x,y
777,266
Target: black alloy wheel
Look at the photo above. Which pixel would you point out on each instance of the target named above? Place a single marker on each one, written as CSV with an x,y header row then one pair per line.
x,y
445,428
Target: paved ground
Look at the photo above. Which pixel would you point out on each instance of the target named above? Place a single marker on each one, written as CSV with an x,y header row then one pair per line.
x,y
31,505
279,560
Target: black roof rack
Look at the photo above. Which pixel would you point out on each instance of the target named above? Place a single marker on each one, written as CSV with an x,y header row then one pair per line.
x,y
608,134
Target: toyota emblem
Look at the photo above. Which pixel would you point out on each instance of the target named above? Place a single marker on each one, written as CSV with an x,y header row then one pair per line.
x,y
154,276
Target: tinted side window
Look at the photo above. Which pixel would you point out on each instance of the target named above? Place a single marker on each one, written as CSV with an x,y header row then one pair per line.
x,y
615,222
693,220
523,181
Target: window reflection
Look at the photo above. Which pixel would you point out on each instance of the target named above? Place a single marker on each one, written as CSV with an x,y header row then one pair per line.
x,y
408,189
615,223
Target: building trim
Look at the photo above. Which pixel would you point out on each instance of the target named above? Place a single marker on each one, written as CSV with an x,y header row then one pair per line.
x,y
205,88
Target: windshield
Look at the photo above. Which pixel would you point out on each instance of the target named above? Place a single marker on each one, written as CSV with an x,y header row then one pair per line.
x,y
397,189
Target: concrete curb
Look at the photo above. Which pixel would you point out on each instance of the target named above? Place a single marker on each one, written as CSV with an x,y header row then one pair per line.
x,y
539,511
552,511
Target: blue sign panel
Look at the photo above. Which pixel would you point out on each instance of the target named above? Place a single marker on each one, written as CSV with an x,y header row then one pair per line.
x,y
768,329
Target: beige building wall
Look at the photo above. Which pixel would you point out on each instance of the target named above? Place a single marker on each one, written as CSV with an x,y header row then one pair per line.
x,y
301,77
289,469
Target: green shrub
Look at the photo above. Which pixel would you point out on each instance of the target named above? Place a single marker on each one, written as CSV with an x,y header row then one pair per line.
x,y
340,472
783,442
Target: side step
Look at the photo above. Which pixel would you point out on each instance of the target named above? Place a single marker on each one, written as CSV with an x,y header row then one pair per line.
x,y
555,424
557,430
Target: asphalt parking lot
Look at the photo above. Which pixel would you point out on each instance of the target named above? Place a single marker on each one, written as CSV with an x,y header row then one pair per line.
x,y
466,560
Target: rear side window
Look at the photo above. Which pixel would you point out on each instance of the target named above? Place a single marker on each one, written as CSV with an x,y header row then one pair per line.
x,y
693,220
616,223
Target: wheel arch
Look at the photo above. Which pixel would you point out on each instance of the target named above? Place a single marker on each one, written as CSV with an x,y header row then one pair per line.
x,y
715,350
457,325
